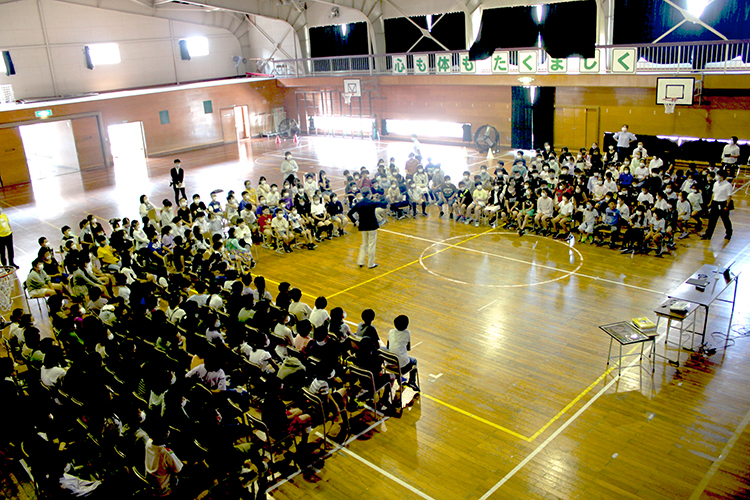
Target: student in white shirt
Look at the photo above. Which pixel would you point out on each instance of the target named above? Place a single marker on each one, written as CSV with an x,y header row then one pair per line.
x,y
545,209
645,196
684,211
564,216
299,309
51,372
730,155
161,462
399,343
319,315
696,205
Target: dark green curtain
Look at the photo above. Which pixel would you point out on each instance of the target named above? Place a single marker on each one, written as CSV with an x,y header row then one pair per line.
x,y
330,41
655,17
505,27
522,118
569,28
543,116
400,33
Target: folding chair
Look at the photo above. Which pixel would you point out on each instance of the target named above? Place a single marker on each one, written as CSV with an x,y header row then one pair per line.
x,y
268,444
368,383
39,300
391,365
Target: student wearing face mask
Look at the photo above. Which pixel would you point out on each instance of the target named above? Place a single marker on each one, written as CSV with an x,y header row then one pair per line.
x,y
183,211
336,210
586,228
289,168
624,138
297,225
610,156
526,213
545,209
495,202
177,174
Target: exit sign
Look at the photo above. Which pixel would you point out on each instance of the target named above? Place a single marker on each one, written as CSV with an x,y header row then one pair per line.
x,y
43,113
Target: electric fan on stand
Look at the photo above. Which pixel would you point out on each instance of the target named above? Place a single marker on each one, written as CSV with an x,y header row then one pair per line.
x,y
486,138
288,128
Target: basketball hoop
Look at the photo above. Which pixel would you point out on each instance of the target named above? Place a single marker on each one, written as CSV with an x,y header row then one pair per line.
x,y
7,281
348,97
669,104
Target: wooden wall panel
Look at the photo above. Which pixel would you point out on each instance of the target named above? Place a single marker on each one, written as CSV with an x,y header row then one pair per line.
x,y
88,145
724,117
475,104
189,126
13,168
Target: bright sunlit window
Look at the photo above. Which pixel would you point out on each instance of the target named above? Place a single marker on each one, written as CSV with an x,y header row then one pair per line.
x,y
696,7
426,128
197,46
343,123
104,53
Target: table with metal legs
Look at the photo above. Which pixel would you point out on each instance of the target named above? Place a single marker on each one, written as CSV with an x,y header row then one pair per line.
x,y
626,334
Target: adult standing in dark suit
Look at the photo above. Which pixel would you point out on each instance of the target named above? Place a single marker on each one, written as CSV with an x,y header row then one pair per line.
x,y
178,181
368,225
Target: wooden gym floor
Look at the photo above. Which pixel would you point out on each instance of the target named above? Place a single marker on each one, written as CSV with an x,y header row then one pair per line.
x,y
517,398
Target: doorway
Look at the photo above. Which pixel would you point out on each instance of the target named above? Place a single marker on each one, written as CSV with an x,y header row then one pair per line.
x,y
128,146
126,141
50,149
235,124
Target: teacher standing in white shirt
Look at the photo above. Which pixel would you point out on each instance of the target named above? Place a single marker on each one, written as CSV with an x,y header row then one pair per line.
x,y
720,206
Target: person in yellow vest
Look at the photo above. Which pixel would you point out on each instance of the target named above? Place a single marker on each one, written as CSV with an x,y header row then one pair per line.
x,y
6,241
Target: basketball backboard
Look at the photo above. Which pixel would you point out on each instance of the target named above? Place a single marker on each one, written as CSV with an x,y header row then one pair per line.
x,y
682,89
353,86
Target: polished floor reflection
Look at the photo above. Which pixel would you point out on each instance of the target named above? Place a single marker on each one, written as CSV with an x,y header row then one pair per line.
x,y
517,398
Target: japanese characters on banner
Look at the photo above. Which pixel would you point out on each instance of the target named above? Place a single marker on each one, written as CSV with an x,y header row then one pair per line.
x,y
525,62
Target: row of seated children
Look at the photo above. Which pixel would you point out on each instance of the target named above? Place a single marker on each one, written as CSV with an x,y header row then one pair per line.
x,y
137,347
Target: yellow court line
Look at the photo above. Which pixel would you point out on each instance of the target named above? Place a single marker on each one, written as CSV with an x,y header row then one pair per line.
x,y
572,403
409,264
545,426
480,419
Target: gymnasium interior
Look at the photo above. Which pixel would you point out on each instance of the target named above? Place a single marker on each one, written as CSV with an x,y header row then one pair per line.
x,y
528,389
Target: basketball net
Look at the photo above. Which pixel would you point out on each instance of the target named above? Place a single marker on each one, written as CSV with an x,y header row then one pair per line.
x,y
7,279
347,97
669,105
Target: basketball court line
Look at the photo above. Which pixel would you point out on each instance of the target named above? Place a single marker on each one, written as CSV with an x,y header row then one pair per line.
x,y
336,448
557,432
477,418
387,474
408,264
722,456
520,261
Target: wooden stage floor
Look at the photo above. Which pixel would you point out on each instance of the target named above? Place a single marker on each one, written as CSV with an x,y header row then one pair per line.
x,y
517,399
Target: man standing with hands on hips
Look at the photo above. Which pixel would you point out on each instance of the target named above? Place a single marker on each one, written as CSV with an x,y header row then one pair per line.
x,y
623,138
367,223
721,205
178,182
